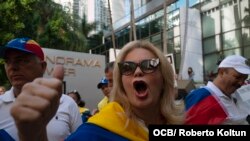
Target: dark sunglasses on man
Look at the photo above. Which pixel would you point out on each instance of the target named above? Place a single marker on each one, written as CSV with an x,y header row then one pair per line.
x,y
146,66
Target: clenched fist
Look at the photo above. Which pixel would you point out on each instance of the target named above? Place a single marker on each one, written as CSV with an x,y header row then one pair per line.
x,y
36,105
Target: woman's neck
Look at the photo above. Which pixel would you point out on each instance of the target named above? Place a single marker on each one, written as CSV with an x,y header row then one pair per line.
x,y
150,117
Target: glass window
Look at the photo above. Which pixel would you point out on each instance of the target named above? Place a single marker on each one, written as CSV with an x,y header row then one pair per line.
x,y
138,29
171,7
170,46
179,3
211,24
158,44
176,31
170,33
108,43
156,37
206,2
159,14
246,52
211,44
120,42
177,62
230,17
156,40
126,35
173,19
149,18
245,12
147,39
177,44
193,2
226,1
120,38
176,17
144,28
232,52
210,63
155,26
231,39
246,36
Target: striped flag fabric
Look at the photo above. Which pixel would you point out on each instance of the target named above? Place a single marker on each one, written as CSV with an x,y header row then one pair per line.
x,y
203,108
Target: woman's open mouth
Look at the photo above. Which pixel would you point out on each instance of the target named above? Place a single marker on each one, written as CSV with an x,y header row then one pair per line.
x,y
141,89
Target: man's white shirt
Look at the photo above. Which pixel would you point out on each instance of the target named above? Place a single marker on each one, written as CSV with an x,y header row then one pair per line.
x,y
235,115
66,120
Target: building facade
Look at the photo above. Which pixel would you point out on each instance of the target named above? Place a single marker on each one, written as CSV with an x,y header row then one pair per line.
x,y
74,7
199,33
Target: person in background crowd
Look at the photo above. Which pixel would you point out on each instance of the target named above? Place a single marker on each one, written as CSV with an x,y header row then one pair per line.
x,y
103,85
190,73
214,103
24,62
85,112
109,73
109,77
2,90
143,94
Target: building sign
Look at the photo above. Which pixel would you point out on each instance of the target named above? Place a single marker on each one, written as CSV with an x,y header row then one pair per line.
x,y
70,64
82,72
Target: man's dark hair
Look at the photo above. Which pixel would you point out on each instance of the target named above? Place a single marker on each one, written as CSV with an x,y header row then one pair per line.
x,y
109,66
80,102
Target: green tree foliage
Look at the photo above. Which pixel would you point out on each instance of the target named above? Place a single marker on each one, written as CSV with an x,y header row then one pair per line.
x,y
85,27
93,40
42,20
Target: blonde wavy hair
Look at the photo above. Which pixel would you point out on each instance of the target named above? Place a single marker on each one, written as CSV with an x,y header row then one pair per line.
x,y
172,111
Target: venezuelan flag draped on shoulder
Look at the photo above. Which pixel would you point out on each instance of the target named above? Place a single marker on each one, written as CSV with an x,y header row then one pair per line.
x,y
110,124
203,107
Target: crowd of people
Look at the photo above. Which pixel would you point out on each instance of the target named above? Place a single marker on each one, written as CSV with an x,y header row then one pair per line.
x,y
138,83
